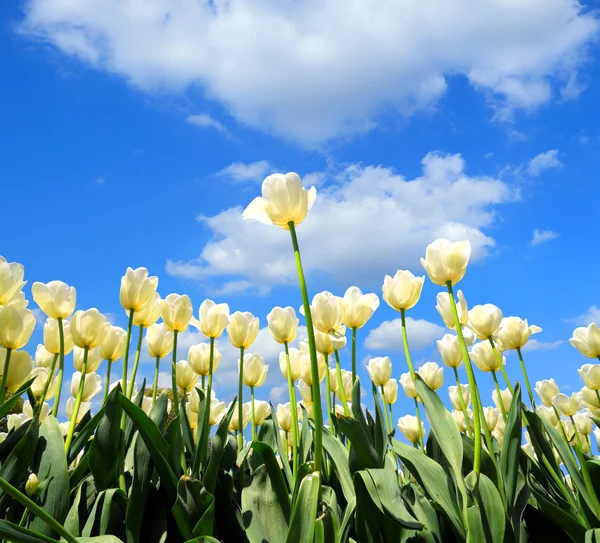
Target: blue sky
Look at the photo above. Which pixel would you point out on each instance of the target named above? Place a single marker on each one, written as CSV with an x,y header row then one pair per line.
x,y
134,135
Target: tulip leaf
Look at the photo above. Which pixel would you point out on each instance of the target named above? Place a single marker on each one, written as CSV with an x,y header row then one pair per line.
x,y
270,428
83,437
85,497
107,515
424,512
203,433
305,439
8,404
362,452
304,514
486,517
348,519
17,534
197,505
511,449
339,460
138,400
592,536
277,480
218,448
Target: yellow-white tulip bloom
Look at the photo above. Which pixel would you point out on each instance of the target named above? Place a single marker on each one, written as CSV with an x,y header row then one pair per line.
x,y
484,358
589,398
113,345
305,393
185,377
358,308
91,386
295,355
333,384
149,313
255,370
446,261
408,385
234,423
347,385
546,390
88,328
159,340
93,360
199,358
567,405
450,350
327,312
380,370
56,299
52,336
485,320
137,288
176,311
19,368
41,378
84,407
11,280
403,290
31,485
461,422
242,329
214,318
432,374
283,200
584,424
444,308
491,417
548,413
590,374
16,327
339,409
390,392
19,301
409,426
43,357
455,396
16,420
304,364
217,411
262,410
587,340
283,324
194,399
514,332
323,342
284,416
505,397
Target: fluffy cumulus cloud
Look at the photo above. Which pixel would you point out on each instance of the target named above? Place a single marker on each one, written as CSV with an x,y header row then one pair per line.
x,y
366,222
312,70
544,161
388,335
591,315
542,236
202,120
241,171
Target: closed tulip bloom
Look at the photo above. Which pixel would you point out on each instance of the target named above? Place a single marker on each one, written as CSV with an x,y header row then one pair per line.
x,y
304,364
88,328
41,378
113,345
597,436
548,413
234,423
567,405
583,422
485,320
461,422
506,398
491,418
283,324
93,360
185,377
409,426
19,368
587,340
333,384
284,416
84,407
546,390
305,392
295,355
444,308
408,385
91,386
358,307
242,329
176,311
455,396
194,399
380,370
590,374
323,343
214,318
56,299
159,340
16,327
327,312
52,336
403,290
137,288
589,398
149,313
11,280
44,410
15,421
31,485
283,200
446,261
199,358
432,374
514,332
484,357
217,411
450,350
43,357
390,392
262,410
347,385
255,370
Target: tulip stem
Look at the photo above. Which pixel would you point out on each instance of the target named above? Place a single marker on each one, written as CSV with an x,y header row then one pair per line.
x,y
61,366
463,403
472,385
584,470
254,436
203,383
329,393
5,375
316,395
385,411
501,364
155,384
240,410
206,425
353,355
174,373
136,362
48,381
419,425
294,411
108,368
341,392
126,355
499,396
527,383
405,342
75,413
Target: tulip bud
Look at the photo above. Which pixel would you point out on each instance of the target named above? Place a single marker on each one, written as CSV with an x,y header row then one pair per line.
x,y
546,390
283,200
567,405
514,333
548,413
91,386
491,418
149,313
390,392
84,407
214,318
403,290
41,377
52,336
347,385
380,370
485,320
93,359
199,358
185,377
255,370
409,426
446,261
432,375
304,364
242,329
43,357
455,396
19,368
444,308
11,280
56,299
327,311
295,356
284,416
450,349
408,385
587,340
176,311
234,423
505,397
31,485
484,357
283,324
159,340
137,288
583,422
113,345
358,308
88,328
262,410
590,374
16,327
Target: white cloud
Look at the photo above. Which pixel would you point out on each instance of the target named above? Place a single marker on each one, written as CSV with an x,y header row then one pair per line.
x,y
537,345
203,120
544,161
240,171
312,70
368,222
279,394
591,315
388,335
541,236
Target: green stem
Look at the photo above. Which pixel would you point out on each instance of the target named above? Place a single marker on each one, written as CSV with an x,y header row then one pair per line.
x,y
254,436
240,410
405,342
75,413
293,411
208,397
5,375
562,427
527,383
499,397
155,384
501,365
108,368
317,413
385,412
341,393
463,403
136,362
48,381
328,390
174,373
585,472
61,367
126,356
203,383
419,425
121,455
353,355
472,385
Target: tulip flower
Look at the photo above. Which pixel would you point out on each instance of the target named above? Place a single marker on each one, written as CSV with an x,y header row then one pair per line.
x,y
590,398
549,414
185,377
176,311
444,308
93,359
587,340
88,328
380,370
446,262
403,290
262,410
137,288
44,410
91,386
11,280
214,318
31,485
283,324
284,416
159,340
242,329
217,411
83,409
149,313
327,312
490,416
199,358
234,423
484,358
52,336
19,368
16,327
41,388
255,370
546,390
408,385
111,349
590,374
305,392
583,423
567,405
514,333
294,356
43,357
411,428
56,299
505,399
462,421
450,350
454,393
432,375
305,365
346,391
15,421
485,320
390,392
323,343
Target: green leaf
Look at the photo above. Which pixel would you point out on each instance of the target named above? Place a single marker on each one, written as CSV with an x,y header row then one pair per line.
x,y
271,426
197,505
277,480
218,448
304,515
339,460
107,515
362,452
83,437
128,434
85,496
511,449
592,536
424,512
202,432
305,439
8,404
17,534
486,516
347,521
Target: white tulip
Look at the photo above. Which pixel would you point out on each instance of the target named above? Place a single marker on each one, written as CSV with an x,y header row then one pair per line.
x,y
114,343
450,350
16,326
546,390
485,320
444,308
199,358
446,261
149,313
403,290
432,375
43,357
295,355
390,392
52,336
380,370
176,311
88,328
214,318
567,405
255,370
506,398
409,426
11,280
514,333
484,358
185,377
242,329
587,340
358,308
408,385
137,288
91,386
93,359
454,395
159,340
283,324
56,299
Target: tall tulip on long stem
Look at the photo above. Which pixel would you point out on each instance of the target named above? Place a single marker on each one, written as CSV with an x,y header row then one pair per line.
x,y
5,375
136,361
61,367
240,407
293,409
75,414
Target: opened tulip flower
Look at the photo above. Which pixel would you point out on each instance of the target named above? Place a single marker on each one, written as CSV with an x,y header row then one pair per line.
x,y
304,365
149,313
43,357
408,385
450,350
323,343
484,357
52,336
199,358
587,340
176,311
88,328
16,327
567,405
583,423
185,377
217,411
410,428
546,390
44,410
295,355
255,370
137,288
242,329
590,374
15,421
454,395
113,345
19,301
514,332
283,200
432,375
159,340
93,359
358,308
11,280
446,262
485,320
402,291
390,392
462,422
214,318
92,385
19,368
327,312
56,299
380,370
283,324
305,392
346,378
589,398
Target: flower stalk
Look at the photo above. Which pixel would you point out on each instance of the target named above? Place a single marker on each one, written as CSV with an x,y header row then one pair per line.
x,y
75,413
294,410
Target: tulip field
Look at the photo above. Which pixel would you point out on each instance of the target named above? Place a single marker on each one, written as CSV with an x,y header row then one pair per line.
x,y
175,464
